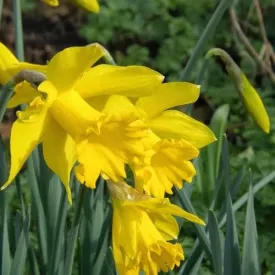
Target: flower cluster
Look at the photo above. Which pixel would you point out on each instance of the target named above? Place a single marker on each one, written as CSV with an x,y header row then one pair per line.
x,y
98,118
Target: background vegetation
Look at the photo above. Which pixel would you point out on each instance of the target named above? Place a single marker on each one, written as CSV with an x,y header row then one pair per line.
x,y
162,34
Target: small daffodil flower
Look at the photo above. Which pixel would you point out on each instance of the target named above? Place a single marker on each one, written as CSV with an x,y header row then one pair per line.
x,y
141,231
88,5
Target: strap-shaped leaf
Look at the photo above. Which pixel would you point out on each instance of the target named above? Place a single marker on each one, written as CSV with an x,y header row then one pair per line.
x,y
250,261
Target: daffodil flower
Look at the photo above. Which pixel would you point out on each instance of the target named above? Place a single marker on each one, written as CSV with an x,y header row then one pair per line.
x,y
67,126
141,231
175,139
37,123
88,5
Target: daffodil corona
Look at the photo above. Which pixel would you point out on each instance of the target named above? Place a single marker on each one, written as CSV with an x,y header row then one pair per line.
x,y
142,229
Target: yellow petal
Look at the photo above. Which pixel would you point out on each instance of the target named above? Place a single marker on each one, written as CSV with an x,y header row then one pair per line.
x,y
254,104
132,81
7,59
97,102
68,66
88,5
168,95
23,93
25,136
59,152
98,158
175,124
16,68
117,104
52,3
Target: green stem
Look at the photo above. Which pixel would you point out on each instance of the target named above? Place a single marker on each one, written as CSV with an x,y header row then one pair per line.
x,y
19,40
5,96
74,233
108,58
1,5
204,38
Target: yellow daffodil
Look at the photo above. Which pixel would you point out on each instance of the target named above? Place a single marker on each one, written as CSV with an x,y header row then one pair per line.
x,y
88,5
10,66
142,227
175,140
167,159
37,123
58,107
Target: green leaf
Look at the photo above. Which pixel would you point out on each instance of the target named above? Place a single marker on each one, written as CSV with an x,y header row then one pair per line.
x,y
38,212
205,36
18,264
5,259
186,204
218,126
215,242
59,238
243,199
250,261
71,245
232,259
192,259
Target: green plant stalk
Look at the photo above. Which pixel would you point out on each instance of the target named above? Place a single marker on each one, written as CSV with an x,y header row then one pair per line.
x,y
5,96
19,40
1,6
5,256
205,37
74,233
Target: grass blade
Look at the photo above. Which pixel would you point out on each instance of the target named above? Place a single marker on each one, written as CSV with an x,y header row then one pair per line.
x,y
5,259
243,199
74,233
250,261
18,264
38,212
232,258
218,126
186,204
215,242
204,38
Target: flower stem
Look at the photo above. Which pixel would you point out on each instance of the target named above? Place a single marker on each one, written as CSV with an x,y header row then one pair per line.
x,y
19,40
5,96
